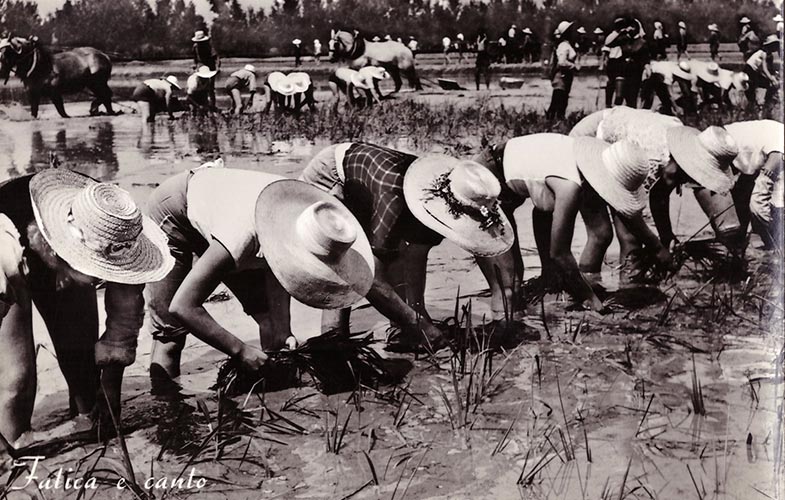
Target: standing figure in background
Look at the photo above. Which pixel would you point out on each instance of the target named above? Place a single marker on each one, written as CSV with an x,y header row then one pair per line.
x,y
682,40
317,51
581,44
635,62
659,42
460,46
205,55
482,64
413,46
528,45
563,71
298,52
598,42
749,41
714,42
611,60
446,43
662,75
512,44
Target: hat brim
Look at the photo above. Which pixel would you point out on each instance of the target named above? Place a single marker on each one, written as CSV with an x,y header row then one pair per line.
x,y
696,162
175,85
434,213
52,193
207,74
680,73
588,154
707,77
308,278
202,39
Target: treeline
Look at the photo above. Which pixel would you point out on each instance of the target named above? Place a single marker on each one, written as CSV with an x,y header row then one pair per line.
x,y
141,30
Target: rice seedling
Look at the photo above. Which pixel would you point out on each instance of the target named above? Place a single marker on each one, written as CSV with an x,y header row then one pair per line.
x,y
335,361
334,432
696,396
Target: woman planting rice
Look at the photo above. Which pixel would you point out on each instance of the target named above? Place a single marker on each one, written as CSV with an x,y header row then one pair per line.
x,y
61,235
264,238
406,206
707,174
550,169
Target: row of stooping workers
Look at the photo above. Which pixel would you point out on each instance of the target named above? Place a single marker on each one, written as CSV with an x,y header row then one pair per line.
x,y
358,223
286,92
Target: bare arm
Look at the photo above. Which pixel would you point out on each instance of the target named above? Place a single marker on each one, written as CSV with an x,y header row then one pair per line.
x,y
187,306
659,202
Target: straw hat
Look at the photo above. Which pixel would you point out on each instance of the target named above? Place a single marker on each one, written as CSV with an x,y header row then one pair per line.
x,y
460,36
777,18
200,36
704,156
682,24
682,70
771,40
582,30
459,200
658,25
205,72
563,27
280,83
249,67
616,171
709,72
314,245
358,80
297,41
173,81
598,31
300,81
744,20
98,229
527,31
713,27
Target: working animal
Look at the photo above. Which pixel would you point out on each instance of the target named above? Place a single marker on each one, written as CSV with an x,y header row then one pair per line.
x,y
393,56
49,75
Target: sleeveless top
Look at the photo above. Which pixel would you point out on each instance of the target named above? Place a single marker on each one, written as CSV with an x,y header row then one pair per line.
x,y
530,159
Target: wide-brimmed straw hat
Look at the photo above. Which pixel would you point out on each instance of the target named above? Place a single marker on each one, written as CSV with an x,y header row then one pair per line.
x,y
300,81
658,24
616,171
777,18
744,20
527,31
280,83
459,200
598,31
713,27
200,36
581,30
297,41
97,228
314,245
563,27
682,70
173,81
682,24
705,156
709,72
205,72
250,67
772,40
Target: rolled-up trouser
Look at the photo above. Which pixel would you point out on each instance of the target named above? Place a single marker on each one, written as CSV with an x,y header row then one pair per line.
x,y
168,207
721,211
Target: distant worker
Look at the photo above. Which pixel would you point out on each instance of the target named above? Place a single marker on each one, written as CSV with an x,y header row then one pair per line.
x,y
460,46
298,51
749,41
198,88
482,64
413,45
446,42
154,96
659,42
682,40
317,51
761,76
205,55
714,42
241,80
599,41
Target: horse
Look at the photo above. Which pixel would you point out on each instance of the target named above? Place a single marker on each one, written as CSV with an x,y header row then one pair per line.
x,y
393,56
54,75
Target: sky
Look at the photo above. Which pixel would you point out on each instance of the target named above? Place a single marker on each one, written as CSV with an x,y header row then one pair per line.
x,y
46,7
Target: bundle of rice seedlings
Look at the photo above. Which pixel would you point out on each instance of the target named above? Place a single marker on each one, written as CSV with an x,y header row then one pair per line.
x,y
534,290
708,255
335,361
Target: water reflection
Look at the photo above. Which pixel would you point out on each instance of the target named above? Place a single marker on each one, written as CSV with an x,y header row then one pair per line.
x,y
92,153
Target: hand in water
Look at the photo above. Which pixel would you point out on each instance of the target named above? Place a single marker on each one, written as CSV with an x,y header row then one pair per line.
x,y
251,358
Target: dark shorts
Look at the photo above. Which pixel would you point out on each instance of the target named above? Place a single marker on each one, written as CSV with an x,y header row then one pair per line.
x,y
483,59
168,207
233,83
143,93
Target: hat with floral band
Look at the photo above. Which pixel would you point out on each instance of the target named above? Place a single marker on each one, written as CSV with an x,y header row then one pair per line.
x,y
459,199
97,228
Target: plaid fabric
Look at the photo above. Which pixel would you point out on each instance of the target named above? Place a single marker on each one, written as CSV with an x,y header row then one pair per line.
x,y
373,191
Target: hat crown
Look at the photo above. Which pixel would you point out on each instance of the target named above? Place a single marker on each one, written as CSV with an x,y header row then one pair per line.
x,y
106,219
713,68
326,229
719,143
198,34
250,67
627,163
172,79
474,185
685,66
